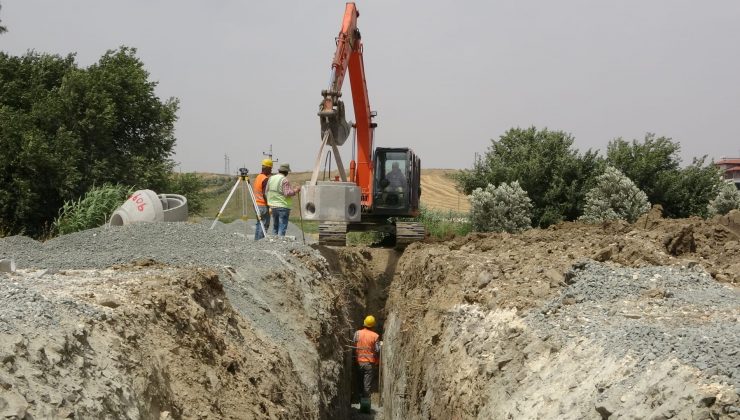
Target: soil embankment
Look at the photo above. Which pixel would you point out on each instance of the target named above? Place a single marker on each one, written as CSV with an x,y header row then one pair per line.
x,y
575,321
205,324
178,321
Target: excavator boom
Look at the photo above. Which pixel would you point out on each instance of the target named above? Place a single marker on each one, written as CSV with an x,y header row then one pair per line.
x,y
348,59
383,185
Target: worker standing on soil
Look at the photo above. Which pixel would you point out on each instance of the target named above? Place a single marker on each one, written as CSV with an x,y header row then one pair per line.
x,y
367,347
279,198
260,187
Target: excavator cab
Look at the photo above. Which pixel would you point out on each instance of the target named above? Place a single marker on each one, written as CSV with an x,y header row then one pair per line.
x,y
396,181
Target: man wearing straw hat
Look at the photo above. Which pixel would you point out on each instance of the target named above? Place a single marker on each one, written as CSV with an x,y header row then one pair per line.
x,y
280,198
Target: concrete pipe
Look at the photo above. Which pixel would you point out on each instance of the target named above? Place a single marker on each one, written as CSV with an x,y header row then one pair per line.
x,y
142,206
175,207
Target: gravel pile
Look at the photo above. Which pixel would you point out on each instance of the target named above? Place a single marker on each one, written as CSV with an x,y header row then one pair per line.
x,y
650,314
26,303
178,244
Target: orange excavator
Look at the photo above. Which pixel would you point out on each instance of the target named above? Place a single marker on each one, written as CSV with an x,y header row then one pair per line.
x,y
383,186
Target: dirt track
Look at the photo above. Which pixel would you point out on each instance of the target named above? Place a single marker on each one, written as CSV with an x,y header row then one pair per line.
x,y
575,321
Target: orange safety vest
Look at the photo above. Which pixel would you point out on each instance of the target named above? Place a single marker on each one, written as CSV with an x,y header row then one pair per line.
x,y
366,341
259,189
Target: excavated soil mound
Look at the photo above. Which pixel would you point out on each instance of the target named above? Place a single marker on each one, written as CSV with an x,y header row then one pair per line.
x,y
203,324
576,321
137,342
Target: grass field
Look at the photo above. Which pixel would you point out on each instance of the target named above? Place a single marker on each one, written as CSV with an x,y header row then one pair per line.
x,y
438,192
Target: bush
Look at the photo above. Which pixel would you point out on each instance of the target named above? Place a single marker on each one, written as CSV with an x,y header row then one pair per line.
x,y
92,210
191,186
505,208
615,197
545,164
65,129
727,199
654,165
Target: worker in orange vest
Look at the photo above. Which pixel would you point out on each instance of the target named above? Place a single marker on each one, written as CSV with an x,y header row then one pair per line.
x,y
260,188
366,343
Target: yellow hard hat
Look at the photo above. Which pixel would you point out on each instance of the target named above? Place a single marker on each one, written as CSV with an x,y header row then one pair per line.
x,y
267,163
369,321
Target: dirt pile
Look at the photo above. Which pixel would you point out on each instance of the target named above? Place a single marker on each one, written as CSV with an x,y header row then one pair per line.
x,y
137,342
575,321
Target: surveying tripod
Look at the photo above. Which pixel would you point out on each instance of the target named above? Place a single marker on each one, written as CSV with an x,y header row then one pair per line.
x,y
243,177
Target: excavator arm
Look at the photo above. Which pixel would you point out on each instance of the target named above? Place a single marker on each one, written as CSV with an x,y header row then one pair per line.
x,y
348,59
360,202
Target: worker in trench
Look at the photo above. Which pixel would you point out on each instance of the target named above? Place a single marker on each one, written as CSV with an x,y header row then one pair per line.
x,y
366,343
260,198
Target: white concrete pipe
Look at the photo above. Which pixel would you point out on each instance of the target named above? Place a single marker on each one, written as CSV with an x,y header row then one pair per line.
x,y
175,207
142,206
147,206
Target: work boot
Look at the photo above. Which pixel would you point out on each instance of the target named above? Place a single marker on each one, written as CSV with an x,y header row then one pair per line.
x,y
364,404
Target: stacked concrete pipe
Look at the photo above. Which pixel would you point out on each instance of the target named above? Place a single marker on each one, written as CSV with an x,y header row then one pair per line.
x,y
147,206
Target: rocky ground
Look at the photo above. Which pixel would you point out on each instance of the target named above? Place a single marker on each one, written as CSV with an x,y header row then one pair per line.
x,y
576,321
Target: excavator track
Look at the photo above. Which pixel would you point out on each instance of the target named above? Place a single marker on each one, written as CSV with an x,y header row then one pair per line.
x,y
408,233
333,233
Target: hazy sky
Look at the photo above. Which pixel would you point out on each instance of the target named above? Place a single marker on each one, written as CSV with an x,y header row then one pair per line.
x,y
444,77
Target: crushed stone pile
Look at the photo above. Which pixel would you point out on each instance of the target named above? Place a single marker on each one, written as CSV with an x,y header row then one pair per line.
x,y
179,244
649,314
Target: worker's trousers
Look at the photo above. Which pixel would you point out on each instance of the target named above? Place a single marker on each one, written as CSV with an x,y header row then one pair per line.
x,y
280,220
367,370
265,216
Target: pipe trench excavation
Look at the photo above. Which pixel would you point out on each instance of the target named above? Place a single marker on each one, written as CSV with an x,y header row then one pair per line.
x,y
579,321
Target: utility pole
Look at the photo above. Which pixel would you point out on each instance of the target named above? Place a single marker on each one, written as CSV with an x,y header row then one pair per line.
x,y
269,154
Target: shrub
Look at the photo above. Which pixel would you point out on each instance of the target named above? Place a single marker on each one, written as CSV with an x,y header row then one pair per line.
x,y
614,197
505,208
92,210
654,165
727,199
191,186
546,164
65,129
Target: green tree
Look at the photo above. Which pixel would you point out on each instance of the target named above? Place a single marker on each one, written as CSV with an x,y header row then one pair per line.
x,y
646,162
615,197
545,164
64,129
654,165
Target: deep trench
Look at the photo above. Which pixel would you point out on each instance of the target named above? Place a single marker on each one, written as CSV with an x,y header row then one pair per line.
x,y
371,276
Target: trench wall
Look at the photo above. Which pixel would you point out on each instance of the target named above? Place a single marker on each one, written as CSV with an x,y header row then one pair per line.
x,y
578,323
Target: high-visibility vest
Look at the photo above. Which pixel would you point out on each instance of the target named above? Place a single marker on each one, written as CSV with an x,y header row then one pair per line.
x,y
275,197
259,189
366,342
